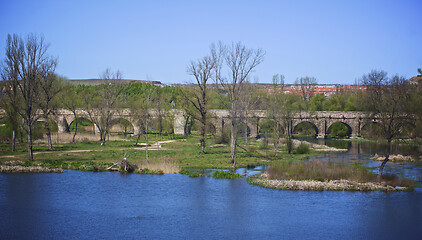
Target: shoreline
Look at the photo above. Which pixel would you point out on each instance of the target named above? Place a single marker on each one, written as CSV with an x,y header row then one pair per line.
x,y
331,185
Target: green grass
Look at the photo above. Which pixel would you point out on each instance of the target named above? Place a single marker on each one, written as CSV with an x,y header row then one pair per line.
x,y
185,151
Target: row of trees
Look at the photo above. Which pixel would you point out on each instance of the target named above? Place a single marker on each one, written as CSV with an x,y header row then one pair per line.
x,y
221,79
31,85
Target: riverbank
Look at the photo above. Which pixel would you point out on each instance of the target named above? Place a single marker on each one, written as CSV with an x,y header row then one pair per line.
x,y
331,185
19,167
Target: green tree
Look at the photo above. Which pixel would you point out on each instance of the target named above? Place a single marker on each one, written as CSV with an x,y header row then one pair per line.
x,y
317,103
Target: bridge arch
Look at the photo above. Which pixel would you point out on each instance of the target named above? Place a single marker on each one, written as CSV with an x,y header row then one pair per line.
x,y
343,129
306,125
84,120
121,124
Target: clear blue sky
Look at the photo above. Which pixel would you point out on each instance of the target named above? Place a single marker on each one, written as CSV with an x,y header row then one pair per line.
x,y
334,41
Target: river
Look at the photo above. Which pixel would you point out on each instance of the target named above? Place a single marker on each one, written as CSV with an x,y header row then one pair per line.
x,y
108,205
361,152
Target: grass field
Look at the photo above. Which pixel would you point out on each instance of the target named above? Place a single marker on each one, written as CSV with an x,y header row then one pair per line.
x,y
181,151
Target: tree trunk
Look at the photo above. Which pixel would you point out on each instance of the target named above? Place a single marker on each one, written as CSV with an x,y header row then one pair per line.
x,y
13,140
137,140
76,129
246,132
203,136
48,134
30,153
233,145
276,137
146,139
202,146
379,176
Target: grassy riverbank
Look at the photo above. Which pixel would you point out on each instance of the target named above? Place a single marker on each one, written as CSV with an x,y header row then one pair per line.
x,y
175,155
181,152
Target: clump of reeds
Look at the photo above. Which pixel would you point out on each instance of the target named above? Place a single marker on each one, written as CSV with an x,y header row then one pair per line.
x,y
163,164
325,171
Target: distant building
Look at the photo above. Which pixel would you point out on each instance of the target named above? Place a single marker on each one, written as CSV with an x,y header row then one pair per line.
x,y
325,89
113,81
416,80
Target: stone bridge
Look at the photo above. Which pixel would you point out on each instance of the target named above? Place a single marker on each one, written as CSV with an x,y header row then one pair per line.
x,y
220,118
321,121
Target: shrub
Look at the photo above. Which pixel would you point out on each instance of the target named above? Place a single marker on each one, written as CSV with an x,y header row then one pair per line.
x,y
302,149
225,175
189,173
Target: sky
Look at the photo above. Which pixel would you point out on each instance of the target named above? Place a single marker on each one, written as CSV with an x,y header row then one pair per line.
x,y
334,41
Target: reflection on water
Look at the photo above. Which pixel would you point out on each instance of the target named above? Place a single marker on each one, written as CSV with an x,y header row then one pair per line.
x,y
86,205
361,153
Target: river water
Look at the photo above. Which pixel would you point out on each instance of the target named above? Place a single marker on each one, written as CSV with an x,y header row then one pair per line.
x,y
87,205
361,152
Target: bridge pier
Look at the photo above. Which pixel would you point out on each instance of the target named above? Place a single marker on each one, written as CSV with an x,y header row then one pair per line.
x,y
62,125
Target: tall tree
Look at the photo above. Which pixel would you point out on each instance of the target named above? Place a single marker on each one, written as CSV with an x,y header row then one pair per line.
x,y
248,101
101,103
197,96
50,86
275,109
26,64
306,87
72,101
387,100
239,61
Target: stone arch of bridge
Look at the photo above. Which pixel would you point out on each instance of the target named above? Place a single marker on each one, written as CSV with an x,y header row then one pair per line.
x,y
345,123
319,133
127,124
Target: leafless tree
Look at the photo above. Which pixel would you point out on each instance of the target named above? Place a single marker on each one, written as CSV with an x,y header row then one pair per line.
x,y
197,96
101,104
387,100
50,86
10,76
26,64
247,102
275,109
71,101
239,61
306,87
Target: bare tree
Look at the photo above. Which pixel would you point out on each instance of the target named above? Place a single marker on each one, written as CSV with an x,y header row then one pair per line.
x,y
101,103
10,76
197,96
239,61
72,102
306,88
27,63
247,102
275,111
50,86
387,100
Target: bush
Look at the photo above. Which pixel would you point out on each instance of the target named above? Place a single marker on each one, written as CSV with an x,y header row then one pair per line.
x,y
302,149
189,173
225,175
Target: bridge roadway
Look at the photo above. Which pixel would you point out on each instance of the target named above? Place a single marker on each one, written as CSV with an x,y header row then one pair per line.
x,y
321,120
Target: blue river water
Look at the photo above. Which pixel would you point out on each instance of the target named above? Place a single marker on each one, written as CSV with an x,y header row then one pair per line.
x,y
87,205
